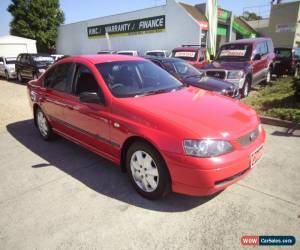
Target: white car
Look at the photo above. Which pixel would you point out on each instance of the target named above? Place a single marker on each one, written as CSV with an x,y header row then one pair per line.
x,y
159,53
7,67
128,52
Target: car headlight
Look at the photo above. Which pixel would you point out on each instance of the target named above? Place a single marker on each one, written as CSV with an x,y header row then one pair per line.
x,y
235,74
42,71
207,147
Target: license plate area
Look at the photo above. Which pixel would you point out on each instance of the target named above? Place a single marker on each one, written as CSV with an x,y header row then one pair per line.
x,y
256,156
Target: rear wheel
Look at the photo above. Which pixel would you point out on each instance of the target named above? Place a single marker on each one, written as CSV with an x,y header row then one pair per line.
x,y
147,171
43,124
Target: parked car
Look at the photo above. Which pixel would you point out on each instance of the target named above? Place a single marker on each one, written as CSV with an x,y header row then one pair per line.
x,y
106,52
167,136
189,75
128,52
193,54
286,61
244,62
56,57
7,67
31,66
159,53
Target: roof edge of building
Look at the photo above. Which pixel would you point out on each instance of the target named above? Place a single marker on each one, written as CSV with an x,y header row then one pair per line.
x,y
113,15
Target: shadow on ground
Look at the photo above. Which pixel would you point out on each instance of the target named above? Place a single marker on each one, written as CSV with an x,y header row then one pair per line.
x,y
96,173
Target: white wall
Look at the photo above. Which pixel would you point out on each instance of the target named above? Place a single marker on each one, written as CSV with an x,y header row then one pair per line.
x,y
180,29
13,45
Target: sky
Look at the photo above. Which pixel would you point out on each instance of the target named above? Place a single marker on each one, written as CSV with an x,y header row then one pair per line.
x,y
86,9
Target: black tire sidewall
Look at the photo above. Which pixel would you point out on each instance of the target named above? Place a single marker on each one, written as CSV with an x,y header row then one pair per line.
x,y
19,77
164,182
49,134
246,82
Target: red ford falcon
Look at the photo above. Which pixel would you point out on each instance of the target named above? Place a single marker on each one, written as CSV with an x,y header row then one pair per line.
x,y
165,135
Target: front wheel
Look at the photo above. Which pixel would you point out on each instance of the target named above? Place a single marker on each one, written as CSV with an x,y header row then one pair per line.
x,y
6,75
19,76
246,88
269,75
147,171
43,124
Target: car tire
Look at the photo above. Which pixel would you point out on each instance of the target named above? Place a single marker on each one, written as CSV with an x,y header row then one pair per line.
x,y
42,124
19,77
296,73
6,75
246,88
147,171
269,76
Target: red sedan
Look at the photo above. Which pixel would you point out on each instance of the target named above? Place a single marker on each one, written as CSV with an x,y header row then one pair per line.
x,y
166,135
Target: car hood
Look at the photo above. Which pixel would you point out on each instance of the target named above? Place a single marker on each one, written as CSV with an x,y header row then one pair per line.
x,y
10,66
193,112
226,65
208,83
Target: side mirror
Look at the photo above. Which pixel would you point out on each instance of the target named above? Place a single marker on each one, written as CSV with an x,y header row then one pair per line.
x,y
90,97
257,57
212,57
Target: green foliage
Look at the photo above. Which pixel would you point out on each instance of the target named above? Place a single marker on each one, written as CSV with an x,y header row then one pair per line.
x,y
38,20
281,100
251,16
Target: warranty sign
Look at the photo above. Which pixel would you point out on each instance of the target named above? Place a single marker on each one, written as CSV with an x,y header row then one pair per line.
x,y
132,27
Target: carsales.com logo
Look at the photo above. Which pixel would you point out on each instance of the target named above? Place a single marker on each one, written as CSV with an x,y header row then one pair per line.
x,y
268,240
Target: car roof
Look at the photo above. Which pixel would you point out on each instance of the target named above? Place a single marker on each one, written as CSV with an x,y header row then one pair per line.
x,y
102,58
189,49
249,40
163,59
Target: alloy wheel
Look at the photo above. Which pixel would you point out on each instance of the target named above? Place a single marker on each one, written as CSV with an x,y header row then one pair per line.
x,y
42,124
144,171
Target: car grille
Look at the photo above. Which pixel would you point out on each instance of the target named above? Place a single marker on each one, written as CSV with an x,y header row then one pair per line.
x,y
248,138
231,178
216,74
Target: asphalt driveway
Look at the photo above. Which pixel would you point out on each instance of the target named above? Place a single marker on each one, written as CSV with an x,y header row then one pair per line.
x,y
57,195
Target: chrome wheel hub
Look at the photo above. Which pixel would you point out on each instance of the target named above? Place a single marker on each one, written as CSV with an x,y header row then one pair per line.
x,y
42,123
144,171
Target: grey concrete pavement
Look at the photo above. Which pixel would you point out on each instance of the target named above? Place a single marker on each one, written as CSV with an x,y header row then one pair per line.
x,y
57,195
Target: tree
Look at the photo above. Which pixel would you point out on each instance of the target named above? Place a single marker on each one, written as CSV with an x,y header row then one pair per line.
x,y
38,20
251,16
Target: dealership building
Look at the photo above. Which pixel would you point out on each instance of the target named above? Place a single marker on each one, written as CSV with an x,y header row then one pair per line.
x,y
282,25
162,27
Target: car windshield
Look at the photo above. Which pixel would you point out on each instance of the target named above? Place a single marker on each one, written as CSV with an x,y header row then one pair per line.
x,y
235,52
42,59
186,55
156,53
183,69
283,53
137,78
10,60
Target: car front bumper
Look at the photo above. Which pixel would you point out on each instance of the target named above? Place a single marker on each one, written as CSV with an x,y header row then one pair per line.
x,y
206,176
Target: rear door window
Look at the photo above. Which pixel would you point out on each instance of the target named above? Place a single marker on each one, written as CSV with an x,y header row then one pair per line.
x,y
59,77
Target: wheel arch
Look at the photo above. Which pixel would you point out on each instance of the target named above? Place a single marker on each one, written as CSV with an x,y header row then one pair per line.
x,y
128,142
